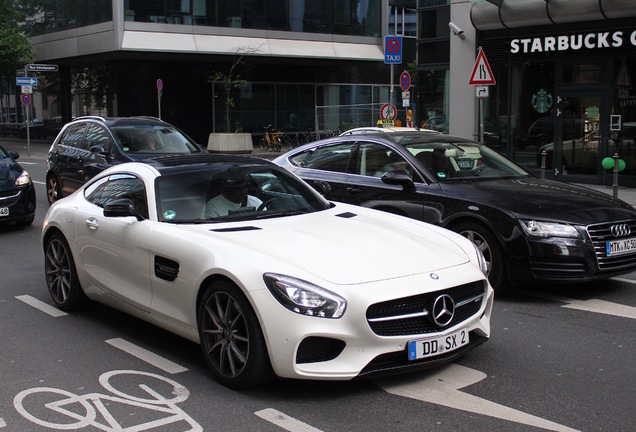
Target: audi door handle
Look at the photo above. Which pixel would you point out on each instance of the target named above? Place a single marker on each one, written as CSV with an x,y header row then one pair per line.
x,y
92,223
351,189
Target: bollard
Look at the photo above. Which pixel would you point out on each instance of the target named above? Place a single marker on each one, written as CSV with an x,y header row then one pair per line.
x,y
543,157
615,183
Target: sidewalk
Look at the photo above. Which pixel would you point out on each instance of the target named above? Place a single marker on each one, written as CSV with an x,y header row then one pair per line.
x,y
40,147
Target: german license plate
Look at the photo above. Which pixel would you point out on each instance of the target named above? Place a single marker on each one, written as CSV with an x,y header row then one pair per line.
x,y
4,211
429,347
465,164
620,247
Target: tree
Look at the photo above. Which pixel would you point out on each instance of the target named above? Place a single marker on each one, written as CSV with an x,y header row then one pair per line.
x,y
15,49
231,81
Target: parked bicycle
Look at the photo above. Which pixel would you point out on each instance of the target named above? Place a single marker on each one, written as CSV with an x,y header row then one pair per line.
x,y
275,140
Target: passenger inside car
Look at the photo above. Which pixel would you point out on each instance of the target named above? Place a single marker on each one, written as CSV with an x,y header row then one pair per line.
x,y
440,164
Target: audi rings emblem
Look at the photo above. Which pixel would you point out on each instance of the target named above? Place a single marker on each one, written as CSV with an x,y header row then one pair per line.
x,y
620,230
443,310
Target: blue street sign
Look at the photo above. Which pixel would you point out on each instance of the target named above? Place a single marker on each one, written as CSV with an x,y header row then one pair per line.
x,y
392,49
21,81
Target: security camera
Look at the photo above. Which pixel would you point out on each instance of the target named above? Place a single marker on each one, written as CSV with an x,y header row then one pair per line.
x,y
455,29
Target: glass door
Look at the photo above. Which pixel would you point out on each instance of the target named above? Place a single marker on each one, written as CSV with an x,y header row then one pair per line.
x,y
580,138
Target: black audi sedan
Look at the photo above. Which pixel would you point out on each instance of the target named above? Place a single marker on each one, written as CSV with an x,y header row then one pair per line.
x,y
529,229
17,193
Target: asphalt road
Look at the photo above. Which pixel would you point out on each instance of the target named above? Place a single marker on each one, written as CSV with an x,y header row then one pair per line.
x,y
560,358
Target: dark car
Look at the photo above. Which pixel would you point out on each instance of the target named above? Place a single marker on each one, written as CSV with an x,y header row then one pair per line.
x,y
17,193
89,145
529,229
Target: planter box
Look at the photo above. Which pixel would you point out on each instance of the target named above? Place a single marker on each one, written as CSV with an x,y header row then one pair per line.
x,y
230,143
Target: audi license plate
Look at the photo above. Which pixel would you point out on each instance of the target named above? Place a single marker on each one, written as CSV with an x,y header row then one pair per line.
x,y
4,211
429,347
620,247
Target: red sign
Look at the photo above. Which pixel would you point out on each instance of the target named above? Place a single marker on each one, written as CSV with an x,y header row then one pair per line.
x,y
159,84
388,111
482,74
26,99
405,81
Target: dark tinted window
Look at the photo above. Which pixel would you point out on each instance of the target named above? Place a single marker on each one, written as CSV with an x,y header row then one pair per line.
x,y
375,159
330,158
74,135
97,135
119,186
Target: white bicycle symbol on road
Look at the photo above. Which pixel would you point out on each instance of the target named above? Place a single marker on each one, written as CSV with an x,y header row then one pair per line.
x,y
84,409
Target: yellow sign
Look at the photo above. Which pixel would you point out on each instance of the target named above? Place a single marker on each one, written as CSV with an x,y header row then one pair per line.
x,y
385,122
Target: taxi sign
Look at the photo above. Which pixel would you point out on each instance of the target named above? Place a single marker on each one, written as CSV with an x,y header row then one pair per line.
x,y
393,49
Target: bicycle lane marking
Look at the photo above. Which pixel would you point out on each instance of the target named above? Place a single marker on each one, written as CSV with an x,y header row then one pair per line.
x,y
96,402
442,388
40,305
146,356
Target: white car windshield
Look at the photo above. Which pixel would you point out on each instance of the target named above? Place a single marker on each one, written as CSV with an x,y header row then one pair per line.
x,y
233,193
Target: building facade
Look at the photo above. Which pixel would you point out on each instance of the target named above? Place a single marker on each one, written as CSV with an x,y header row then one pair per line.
x,y
306,64
563,71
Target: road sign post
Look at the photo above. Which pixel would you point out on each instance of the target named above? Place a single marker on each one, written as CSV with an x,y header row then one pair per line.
x,y
392,56
159,92
26,101
481,76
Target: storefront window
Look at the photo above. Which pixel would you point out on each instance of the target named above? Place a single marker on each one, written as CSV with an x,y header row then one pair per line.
x,y
433,99
532,110
623,118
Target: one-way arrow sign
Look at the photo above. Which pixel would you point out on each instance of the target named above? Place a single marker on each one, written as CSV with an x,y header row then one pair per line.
x,y
21,81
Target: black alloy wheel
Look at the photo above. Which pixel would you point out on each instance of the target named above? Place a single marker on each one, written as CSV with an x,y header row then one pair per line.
x,y
231,338
61,276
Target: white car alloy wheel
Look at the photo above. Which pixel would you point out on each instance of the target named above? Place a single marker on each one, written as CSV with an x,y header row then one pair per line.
x,y
231,338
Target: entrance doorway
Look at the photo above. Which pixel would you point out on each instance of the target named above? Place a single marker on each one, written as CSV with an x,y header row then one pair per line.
x,y
580,137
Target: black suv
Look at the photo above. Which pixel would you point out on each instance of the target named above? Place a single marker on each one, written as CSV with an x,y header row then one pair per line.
x,y
88,145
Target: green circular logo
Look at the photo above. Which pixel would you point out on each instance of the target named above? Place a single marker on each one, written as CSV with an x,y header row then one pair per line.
x,y
169,214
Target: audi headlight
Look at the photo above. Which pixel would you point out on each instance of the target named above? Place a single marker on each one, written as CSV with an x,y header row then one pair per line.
x,y
304,298
23,180
549,229
481,260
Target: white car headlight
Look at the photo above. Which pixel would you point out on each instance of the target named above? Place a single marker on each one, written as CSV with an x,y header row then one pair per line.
x,y
303,297
549,229
483,265
23,180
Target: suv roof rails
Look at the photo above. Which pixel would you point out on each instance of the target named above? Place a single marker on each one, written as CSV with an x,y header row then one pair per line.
x,y
147,117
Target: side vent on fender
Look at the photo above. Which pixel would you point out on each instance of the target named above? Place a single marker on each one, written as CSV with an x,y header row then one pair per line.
x,y
166,269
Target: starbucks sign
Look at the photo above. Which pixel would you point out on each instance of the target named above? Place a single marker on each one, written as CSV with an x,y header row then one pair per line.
x,y
542,101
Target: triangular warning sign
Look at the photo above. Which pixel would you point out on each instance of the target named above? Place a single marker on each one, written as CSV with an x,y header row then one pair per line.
x,y
623,79
482,74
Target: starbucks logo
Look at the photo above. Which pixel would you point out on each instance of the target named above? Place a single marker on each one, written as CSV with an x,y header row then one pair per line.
x,y
542,101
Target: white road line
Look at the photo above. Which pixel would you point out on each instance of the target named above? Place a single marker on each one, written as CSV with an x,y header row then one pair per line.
x,y
28,163
631,281
442,388
48,309
147,356
2,423
592,305
37,182
284,421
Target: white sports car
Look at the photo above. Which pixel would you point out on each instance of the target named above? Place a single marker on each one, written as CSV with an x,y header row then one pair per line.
x,y
282,283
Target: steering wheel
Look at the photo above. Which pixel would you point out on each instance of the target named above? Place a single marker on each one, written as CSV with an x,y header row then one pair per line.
x,y
265,204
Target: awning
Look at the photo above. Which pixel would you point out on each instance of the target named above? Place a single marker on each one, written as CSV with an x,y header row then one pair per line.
x,y
531,13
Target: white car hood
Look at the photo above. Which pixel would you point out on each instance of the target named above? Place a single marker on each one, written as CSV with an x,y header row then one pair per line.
x,y
357,247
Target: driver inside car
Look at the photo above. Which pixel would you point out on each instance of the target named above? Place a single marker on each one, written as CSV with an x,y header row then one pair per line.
x,y
233,196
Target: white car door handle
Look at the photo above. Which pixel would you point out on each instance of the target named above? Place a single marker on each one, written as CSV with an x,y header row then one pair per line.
x,y
92,223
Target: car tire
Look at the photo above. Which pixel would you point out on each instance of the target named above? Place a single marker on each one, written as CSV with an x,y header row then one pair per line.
x,y
61,276
487,243
231,338
53,190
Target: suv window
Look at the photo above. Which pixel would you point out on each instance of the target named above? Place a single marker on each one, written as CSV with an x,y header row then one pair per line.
x,y
119,186
74,135
97,135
